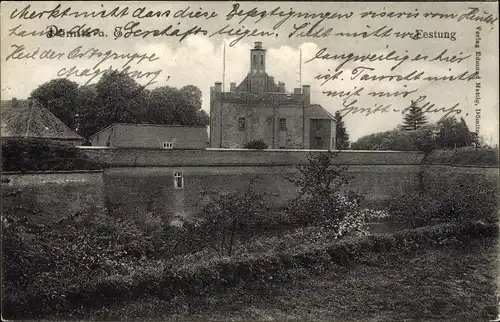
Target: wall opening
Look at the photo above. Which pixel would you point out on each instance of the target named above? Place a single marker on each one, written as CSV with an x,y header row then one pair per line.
x,y
178,180
241,123
168,145
282,124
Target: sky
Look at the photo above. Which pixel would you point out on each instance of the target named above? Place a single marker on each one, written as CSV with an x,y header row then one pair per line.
x,y
198,59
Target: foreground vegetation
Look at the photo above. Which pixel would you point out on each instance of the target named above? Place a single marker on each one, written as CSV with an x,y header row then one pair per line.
x,y
88,264
29,154
455,281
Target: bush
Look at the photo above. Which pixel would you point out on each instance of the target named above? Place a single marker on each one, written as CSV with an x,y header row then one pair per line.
x,y
43,155
256,144
398,140
226,221
76,284
464,199
323,200
463,156
46,261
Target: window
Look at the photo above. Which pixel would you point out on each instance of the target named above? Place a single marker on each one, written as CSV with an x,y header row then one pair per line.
x,y
241,123
254,62
178,180
168,145
261,60
282,124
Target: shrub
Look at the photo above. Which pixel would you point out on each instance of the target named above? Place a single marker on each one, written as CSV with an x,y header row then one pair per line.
x,y
421,139
464,156
323,201
256,144
43,155
45,261
464,199
226,220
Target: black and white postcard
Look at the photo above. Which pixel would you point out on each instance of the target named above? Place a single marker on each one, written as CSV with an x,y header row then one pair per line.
x,y
250,161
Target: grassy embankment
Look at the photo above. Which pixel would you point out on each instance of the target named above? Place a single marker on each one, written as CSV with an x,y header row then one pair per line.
x,y
451,282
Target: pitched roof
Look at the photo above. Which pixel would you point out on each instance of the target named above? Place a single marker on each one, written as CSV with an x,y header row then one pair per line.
x,y
20,118
319,112
147,125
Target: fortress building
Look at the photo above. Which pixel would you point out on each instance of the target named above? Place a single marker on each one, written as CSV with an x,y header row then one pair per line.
x,y
258,108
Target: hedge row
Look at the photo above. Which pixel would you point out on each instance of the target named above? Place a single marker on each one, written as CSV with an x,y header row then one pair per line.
x,y
214,276
463,156
27,154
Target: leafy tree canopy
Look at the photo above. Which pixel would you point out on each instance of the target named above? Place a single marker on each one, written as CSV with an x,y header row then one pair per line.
x,y
116,97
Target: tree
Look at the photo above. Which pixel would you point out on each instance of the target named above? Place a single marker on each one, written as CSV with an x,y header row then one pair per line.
x,y
169,105
160,105
454,134
464,136
87,111
341,135
119,99
193,96
414,118
60,97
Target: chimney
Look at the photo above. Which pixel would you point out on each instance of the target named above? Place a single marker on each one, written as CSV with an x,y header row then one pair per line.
x,y
232,87
306,90
281,87
258,45
14,102
297,91
218,87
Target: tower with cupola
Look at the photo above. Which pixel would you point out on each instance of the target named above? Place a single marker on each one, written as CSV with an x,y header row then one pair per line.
x,y
260,109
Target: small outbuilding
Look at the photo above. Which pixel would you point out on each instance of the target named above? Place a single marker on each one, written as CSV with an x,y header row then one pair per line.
x,y
160,136
27,118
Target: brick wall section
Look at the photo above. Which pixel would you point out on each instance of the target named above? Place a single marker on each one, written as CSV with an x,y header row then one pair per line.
x,y
133,191
52,195
166,158
448,172
142,179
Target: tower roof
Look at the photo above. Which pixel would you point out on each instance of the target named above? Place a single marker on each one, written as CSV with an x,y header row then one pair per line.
x,y
257,46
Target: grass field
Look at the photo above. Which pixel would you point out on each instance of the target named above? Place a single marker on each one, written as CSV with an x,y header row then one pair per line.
x,y
452,282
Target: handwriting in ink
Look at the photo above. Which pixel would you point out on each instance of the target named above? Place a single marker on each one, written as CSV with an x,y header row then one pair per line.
x,y
58,12
236,12
429,107
242,33
352,57
143,12
95,72
131,30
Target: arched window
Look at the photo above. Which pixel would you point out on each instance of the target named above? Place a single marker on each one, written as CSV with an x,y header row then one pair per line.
x,y
261,60
254,61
